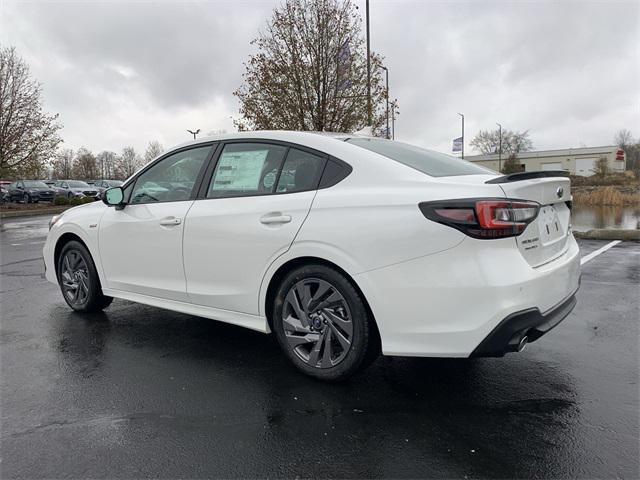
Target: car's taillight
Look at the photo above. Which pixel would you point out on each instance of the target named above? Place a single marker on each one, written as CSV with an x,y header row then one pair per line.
x,y
484,218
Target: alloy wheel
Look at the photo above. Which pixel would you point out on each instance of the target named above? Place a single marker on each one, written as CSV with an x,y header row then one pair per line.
x,y
75,278
317,323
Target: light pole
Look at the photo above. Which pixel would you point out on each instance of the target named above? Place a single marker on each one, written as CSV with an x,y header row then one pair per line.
x,y
194,133
393,120
500,148
386,71
368,70
462,134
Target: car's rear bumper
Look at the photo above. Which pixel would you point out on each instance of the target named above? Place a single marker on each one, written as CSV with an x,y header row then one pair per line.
x,y
447,304
520,328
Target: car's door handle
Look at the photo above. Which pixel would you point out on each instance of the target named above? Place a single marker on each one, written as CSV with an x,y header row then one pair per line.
x,y
169,221
271,218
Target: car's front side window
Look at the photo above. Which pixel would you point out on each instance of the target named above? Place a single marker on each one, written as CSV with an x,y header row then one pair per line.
x,y
171,179
245,169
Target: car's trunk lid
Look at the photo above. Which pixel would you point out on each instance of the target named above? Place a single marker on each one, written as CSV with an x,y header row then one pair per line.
x,y
546,237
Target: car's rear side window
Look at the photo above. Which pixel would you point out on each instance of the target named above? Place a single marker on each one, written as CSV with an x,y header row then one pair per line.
x,y
301,172
432,163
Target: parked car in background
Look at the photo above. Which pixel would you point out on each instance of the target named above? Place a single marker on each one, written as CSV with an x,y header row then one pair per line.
x,y
30,191
343,246
4,193
102,185
51,183
76,189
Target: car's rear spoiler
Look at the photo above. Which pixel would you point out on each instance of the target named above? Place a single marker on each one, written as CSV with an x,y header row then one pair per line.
x,y
518,177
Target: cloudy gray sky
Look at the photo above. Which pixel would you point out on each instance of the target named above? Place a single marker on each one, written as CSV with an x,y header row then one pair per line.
x,y
124,73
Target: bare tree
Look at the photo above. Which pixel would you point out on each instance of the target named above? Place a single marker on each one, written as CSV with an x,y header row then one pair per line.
x,y
63,164
154,149
106,164
127,163
310,71
624,139
27,133
488,141
85,167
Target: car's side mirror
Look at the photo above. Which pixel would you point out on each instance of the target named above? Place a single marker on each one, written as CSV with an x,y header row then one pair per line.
x,y
113,196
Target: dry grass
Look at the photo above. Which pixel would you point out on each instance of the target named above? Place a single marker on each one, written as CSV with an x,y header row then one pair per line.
x,y
606,196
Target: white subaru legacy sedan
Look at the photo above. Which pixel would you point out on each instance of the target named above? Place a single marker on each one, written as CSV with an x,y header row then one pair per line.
x,y
344,246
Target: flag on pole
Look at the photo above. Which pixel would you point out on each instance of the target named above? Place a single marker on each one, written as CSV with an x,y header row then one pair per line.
x,y
344,62
457,144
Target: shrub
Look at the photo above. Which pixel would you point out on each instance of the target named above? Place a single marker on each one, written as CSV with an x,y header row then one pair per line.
x,y
511,165
602,167
606,196
626,178
61,201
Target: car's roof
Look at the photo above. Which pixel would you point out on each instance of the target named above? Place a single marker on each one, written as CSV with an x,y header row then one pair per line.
x,y
370,165
282,135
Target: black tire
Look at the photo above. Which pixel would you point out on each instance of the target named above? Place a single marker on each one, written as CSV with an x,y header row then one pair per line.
x,y
69,195
26,198
364,345
89,299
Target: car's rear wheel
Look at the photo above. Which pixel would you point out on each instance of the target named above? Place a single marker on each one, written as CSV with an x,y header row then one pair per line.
x,y
323,324
79,280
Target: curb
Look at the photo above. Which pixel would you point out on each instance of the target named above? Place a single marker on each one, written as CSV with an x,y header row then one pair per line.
x,y
602,234
33,213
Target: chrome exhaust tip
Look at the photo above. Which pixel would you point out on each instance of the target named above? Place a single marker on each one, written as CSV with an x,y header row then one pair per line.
x,y
522,343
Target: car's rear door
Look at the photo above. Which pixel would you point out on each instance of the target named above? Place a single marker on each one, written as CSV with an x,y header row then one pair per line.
x,y
247,214
141,244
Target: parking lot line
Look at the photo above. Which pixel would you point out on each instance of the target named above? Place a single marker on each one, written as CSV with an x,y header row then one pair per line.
x,y
593,255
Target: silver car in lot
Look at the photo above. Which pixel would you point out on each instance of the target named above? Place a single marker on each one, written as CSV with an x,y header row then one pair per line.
x,y
102,185
75,189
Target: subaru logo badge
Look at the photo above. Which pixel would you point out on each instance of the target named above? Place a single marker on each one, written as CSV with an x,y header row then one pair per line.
x,y
560,192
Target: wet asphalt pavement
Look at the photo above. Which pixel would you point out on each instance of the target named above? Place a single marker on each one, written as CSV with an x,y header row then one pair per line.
x,y
142,392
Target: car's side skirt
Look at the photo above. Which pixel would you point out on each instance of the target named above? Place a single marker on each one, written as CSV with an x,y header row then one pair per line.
x,y
253,322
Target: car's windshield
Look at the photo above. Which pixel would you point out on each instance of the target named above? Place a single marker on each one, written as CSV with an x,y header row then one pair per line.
x,y
35,184
432,163
114,183
77,184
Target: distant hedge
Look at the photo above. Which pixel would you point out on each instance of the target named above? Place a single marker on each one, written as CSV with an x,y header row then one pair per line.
x,y
72,201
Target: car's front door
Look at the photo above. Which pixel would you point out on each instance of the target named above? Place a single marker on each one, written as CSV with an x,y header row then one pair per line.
x,y
256,201
141,244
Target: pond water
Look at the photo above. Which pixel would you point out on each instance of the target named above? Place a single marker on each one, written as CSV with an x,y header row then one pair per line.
x,y
585,218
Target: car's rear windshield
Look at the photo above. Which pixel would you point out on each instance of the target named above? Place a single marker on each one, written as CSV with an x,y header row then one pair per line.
x,y
34,183
77,184
432,163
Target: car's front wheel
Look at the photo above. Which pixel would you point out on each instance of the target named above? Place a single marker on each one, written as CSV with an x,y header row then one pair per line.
x,y
79,280
322,323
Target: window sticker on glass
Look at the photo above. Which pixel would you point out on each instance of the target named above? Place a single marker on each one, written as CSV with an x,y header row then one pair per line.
x,y
239,171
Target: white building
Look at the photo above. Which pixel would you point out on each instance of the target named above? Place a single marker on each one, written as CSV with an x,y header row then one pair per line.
x,y
577,161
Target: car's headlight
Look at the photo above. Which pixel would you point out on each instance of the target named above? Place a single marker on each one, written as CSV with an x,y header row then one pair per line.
x,y
54,220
